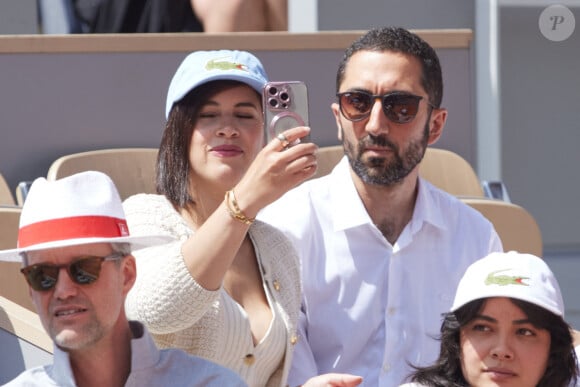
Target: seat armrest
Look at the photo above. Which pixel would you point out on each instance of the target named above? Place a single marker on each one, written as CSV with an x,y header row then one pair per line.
x,y
495,189
21,191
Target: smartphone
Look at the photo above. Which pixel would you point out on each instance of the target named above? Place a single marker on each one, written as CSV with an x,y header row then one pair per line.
x,y
285,106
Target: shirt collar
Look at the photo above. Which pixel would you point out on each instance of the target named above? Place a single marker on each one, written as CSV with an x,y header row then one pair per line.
x,y
427,209
344,191
62,372
144,354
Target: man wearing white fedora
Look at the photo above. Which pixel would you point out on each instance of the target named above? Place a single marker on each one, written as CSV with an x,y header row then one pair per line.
x,y
76,249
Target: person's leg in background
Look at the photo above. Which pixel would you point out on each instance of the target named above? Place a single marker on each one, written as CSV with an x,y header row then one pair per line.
x,y
241,15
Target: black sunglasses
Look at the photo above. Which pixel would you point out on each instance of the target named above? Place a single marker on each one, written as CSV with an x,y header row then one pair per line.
x,y
399,107
83,271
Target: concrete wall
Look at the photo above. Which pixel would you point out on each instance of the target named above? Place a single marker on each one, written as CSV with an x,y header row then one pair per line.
x,y
18,17
366,14
540,116
540,135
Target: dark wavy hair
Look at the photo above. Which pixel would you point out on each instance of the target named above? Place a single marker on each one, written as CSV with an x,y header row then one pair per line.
x,y
173,167
446,371
398,39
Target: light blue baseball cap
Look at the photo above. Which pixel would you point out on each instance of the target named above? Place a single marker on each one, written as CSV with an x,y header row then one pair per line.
x,y
201,67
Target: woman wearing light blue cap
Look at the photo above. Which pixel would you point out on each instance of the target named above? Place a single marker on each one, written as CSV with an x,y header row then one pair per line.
x,y
229,288
506,328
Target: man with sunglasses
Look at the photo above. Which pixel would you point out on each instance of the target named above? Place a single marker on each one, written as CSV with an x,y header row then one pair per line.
x,y
76,250
382,250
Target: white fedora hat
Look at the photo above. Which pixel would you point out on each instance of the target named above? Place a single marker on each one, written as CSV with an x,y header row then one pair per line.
x,y
75,210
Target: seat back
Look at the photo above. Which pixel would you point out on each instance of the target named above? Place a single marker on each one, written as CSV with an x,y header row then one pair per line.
x,y
6,197
13,286
515,226
328,157
131,169
24,342
9,222
450,172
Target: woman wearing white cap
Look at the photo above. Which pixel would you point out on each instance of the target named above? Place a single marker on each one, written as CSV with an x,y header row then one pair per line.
x,y
506,328
229,288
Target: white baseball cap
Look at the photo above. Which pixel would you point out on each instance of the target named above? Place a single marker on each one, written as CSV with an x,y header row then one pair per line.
x,y
79,209
201,67
512,274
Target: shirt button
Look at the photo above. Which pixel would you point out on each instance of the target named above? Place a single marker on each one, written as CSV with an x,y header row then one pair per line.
x,y
391,311
386,367
249,359
293,339
276,285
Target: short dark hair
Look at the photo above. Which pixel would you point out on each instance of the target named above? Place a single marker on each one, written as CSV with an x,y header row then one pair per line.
x,y
446,371
173,166
118,248
398,39
121,248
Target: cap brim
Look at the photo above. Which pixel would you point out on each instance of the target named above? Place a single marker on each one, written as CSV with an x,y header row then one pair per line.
x,y
136,242
185,86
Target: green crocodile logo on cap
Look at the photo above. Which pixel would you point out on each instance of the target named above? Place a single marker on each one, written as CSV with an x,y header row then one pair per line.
x,y
503,280
221,64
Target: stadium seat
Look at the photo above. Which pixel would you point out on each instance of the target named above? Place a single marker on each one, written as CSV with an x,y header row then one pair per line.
x,y
131,169
515,226
13,286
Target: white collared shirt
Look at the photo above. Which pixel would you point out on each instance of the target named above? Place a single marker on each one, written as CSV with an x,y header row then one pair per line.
x,y
369,307
577,384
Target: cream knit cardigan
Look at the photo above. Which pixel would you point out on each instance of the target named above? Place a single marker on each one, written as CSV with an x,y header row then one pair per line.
x,y
177,310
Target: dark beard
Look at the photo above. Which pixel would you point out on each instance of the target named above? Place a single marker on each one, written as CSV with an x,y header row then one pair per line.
x,y
380,171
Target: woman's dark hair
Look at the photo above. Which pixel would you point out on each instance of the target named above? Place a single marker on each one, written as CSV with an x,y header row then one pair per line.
x,y
173,167
446,371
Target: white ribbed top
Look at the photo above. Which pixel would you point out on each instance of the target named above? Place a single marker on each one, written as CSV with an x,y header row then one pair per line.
x,y
260,361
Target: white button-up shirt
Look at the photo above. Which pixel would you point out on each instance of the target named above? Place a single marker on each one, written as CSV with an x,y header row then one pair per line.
x,y
370,308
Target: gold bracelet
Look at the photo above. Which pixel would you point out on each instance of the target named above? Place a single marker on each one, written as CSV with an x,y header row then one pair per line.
x,y
235,212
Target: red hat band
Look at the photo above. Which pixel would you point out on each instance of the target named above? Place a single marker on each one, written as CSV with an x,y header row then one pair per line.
x,y
77,227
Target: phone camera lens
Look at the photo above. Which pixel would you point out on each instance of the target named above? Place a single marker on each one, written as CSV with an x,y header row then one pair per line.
x,y
272,90
284,96
273,102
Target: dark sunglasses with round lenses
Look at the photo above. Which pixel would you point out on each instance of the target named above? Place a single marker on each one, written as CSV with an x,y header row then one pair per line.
x,y
399,107
83,271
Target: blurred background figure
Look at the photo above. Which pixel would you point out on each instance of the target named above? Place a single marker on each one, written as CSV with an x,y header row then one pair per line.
x,y
117,16
127,16
242,15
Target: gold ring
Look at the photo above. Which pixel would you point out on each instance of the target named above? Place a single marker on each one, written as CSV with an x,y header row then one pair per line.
x,y
283,139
